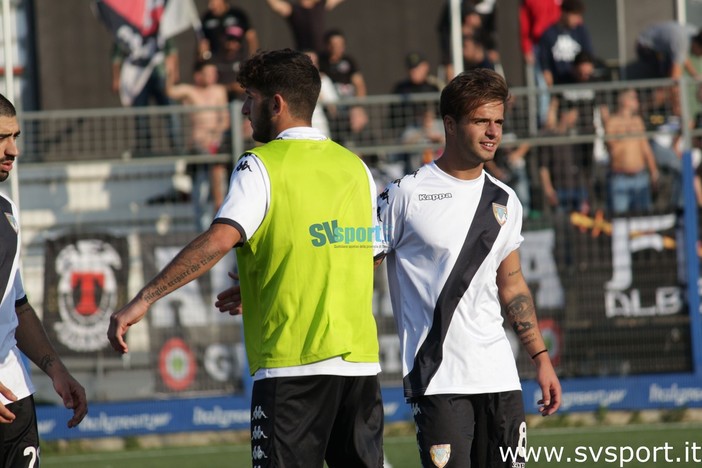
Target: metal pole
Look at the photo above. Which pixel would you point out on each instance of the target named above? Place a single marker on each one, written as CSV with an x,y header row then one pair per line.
x,y
692,263
10,84
681,11
456,37
621,38
7,45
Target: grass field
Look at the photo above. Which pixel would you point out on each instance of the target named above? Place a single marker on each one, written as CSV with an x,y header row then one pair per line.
x,y
640,446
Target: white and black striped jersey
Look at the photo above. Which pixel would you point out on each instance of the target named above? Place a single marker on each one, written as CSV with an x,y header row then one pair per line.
x,y
13,375
446,238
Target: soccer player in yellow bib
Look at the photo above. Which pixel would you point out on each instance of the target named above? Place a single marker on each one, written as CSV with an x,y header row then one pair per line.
x,y
301,210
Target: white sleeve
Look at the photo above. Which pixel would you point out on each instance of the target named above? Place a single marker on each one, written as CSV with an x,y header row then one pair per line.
x,y
389,216
379,241
327,93
248,199
515,239
18,287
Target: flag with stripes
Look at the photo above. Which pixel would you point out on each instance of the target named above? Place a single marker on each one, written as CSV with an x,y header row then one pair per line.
x,y
140,29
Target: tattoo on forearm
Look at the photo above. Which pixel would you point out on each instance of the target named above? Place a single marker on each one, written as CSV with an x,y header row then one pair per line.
x,y
46,362
186,267
521,314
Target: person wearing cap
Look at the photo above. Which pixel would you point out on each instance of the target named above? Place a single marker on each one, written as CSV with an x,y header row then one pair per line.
x,y
216,24
416,120
418,80
229,61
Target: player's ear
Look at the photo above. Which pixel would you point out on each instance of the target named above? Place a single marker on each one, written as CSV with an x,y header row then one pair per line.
x,y
277,103
449,125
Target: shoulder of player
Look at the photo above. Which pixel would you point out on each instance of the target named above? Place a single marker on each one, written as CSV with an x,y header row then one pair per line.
x,y
247,161
510,191
405,186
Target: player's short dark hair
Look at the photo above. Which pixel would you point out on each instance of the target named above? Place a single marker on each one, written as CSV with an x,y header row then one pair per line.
x,y
6,107
286,72
573,6
470,90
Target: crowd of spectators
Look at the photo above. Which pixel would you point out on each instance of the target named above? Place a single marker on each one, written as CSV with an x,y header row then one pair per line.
x,y
584,175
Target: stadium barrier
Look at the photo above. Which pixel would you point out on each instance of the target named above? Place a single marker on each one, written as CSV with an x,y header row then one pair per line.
x,y
617,296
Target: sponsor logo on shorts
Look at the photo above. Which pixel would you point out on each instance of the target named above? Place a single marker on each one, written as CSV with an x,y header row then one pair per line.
x,y
440,454
434,196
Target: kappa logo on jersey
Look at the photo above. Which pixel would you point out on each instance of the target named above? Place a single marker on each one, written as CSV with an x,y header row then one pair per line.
x,y
13,221
243,165
258,453
258,413
500,212
440,454
257,433
434,196
87,293
385,196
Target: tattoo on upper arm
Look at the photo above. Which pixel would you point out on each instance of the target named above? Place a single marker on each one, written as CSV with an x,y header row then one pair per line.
x,y
515,272
46,362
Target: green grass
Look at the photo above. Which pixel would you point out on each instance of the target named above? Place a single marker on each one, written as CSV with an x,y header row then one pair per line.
x,y
401,451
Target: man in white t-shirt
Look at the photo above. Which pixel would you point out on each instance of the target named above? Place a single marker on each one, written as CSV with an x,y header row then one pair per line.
x,y
21,330
453,234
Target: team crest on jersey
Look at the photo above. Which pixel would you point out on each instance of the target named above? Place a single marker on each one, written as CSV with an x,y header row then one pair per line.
x,y
87,293
13,221
440,454
500,212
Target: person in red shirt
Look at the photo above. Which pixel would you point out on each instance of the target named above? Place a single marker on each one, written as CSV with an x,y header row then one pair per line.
x,y
535,16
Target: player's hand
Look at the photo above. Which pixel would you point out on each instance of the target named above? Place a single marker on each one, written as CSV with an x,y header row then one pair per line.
x,y
229,300
550,386
121,320
73,395
6,416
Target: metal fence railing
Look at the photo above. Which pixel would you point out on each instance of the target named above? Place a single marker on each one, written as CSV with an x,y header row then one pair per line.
x,y
98,193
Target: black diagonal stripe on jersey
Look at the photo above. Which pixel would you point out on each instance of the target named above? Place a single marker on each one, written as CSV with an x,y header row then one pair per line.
x,y
8,246
479,241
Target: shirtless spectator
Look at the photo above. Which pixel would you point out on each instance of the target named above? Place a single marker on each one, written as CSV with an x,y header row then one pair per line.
x,y
633,170
208,130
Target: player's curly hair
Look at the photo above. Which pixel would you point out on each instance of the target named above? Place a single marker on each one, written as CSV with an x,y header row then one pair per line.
x,y
6,107
470,90
286,72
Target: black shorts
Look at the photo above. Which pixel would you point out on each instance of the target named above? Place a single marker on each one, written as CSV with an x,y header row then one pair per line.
x,y
303,421
460,431
19,440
